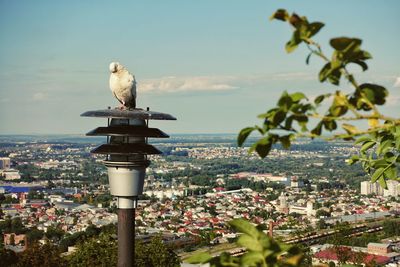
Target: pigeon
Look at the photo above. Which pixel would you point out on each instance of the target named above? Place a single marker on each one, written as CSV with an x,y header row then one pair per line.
x,y
123,85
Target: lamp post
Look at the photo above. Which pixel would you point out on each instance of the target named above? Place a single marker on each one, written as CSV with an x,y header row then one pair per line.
x,y
126,160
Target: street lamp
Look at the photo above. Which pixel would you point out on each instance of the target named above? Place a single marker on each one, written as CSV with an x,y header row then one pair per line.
x,y
126,160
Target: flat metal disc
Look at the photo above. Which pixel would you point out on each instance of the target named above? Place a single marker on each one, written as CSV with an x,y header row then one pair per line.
x,y
126,149
128,114
128,130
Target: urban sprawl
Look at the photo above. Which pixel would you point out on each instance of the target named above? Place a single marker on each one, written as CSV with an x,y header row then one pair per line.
x,y
301,196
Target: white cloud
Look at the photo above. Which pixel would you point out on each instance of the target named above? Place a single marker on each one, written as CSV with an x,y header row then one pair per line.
x,y
215,83
39,96
397,82
180,84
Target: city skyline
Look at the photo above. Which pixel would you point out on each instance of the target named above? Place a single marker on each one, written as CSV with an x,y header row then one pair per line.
x,y
215,66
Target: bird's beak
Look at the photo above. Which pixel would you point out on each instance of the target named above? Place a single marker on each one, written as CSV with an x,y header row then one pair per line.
x,y
113,68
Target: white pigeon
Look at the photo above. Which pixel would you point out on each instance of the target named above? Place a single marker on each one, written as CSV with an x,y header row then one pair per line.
x,y
123,85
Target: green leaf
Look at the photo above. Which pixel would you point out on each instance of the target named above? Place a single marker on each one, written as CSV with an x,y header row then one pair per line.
x,y
391,172
288,122
294,260
342,43
382,182
249,242
353,159
362,64
351,129
294,42
280,14
318,129
278,117
380,163
377,174
389,157
268,114
244,226
376,94
244,133
334,76
363,139
314,28
285,140
339,106
285,101
263,147
384,147
264,240
296,97
200,257
337,110
320,98
330,125
297,21
251,258
367,145
323,74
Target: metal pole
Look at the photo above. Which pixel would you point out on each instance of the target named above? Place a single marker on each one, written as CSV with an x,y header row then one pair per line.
x,y
126,237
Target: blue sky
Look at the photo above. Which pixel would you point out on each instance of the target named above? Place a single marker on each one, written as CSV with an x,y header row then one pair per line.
x,y
214,65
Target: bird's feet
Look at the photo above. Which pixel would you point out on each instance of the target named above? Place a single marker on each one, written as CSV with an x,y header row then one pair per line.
x,y
121,107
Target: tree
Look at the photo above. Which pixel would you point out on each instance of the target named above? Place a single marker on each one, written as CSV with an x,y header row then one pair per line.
x,y
379,152
34,234
12,240
322,213
8,257
37,255
391,227
101,251
54,232
154,254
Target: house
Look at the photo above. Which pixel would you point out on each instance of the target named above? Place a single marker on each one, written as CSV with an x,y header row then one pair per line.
x,y
379,248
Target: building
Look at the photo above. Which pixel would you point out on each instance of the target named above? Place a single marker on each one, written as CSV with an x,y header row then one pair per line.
x,y
368,188
296,182
17,243
379,248
5,163
11,175
393,189
331,254
283,205
307,210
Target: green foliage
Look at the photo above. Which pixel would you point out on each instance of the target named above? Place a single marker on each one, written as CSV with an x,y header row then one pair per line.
x,y
261,250
8,257
37,255
391,227
154,254
379,153
100,251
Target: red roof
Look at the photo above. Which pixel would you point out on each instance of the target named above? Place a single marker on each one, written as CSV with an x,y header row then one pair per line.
x,y
330,254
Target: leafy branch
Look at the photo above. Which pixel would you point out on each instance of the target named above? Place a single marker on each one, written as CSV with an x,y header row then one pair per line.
x,y
293,114
261,250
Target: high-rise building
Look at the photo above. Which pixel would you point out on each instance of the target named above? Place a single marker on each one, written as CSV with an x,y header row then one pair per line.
x,y
371,188
283,206
393,189
5,163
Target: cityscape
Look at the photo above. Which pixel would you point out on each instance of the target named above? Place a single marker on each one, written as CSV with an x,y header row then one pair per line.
x,y
199,133
53,190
